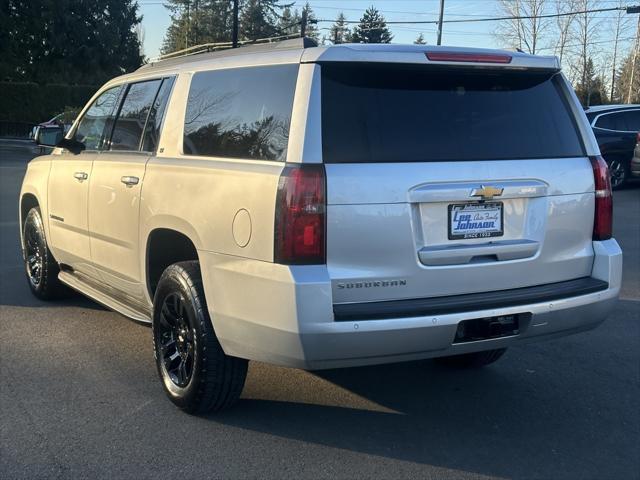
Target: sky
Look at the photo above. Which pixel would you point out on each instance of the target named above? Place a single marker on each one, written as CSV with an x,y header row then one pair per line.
x,y
156,20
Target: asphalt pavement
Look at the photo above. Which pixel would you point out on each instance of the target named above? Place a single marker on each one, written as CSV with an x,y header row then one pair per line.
x,y
80,398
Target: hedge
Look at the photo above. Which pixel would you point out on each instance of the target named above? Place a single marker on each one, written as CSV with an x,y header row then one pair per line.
x,y
30,102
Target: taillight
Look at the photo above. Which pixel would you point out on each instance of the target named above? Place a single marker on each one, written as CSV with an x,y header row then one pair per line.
x,y
300,222
603,219
638,138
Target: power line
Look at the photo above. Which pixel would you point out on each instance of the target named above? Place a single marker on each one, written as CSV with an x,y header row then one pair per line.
x,y
494,19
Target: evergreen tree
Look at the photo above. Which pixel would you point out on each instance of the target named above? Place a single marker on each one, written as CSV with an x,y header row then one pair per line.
x,y
628,80
259,19
195,22
339,32
289,23
312,22
68,41
372,28
420,40
593,90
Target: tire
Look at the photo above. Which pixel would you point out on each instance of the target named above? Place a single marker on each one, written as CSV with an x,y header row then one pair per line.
x,y
472,360
40,266
197,375
618,171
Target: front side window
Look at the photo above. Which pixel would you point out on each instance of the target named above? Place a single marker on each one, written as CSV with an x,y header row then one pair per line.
x,y
240,113
128,128
92,125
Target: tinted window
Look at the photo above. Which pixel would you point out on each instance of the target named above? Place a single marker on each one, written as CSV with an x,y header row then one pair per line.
x,y
409,114
240,113
92,125
612,121
132,117
152,131
631,120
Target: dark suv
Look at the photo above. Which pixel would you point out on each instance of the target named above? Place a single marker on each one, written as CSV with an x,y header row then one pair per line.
x,y
616,128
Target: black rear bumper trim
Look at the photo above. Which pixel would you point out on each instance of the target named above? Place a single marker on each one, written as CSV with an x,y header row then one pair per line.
x,y
419,307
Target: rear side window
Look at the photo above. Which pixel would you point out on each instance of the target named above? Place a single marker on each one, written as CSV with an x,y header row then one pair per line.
x,y
240,113
631,120
156,115
611,121
132,117
91,126
408,114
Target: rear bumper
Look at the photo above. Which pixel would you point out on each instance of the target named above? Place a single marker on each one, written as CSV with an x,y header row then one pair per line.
x,y
284,315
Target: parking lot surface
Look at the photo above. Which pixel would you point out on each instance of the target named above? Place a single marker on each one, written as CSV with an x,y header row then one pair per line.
x,y
80,398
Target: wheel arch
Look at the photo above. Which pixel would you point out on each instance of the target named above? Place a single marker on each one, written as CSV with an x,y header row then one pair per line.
x,y
166,246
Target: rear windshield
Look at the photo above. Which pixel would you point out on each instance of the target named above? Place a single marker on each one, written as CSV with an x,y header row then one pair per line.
x,y
407,114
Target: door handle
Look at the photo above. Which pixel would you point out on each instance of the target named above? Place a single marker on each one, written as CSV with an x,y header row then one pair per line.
x,y
80,176
130,181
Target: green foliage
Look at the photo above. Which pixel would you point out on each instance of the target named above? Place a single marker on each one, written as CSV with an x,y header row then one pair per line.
x,y
259,19
372,28
593,90
628,80
195,22
339,32
71,41
30,102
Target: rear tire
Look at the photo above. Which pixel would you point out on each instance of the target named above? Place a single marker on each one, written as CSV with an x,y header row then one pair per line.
x,y
196,373
472,360
40,266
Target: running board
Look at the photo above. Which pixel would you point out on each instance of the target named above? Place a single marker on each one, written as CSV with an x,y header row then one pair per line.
x,y
93,291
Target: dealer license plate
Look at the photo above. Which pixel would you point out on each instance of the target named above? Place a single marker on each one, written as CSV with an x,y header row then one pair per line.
x,y
475,220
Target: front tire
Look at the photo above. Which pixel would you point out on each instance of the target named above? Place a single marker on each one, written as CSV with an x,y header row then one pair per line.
x,y
472,360
196,373
40,266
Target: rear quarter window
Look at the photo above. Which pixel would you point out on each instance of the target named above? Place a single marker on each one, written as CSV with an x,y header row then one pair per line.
x,y
240,113
408,114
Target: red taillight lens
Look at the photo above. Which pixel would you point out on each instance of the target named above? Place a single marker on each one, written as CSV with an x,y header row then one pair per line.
x,y
603,219
300,223
468,57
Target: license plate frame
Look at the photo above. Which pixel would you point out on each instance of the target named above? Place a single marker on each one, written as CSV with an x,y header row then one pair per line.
x,y
474,207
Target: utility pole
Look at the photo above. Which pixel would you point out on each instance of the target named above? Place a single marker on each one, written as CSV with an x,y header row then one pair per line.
x,y
234,30
440,22
303,23
635,53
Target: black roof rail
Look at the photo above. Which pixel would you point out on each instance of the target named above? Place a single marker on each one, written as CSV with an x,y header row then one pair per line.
x,y
217,50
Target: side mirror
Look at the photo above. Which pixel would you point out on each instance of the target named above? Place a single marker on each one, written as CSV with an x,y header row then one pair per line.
x,y
49,136
71,144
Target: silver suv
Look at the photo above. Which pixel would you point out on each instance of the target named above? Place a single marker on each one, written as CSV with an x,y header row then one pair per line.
x,y
320,207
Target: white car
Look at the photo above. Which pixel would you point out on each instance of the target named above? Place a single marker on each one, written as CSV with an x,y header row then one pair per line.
x,y
321,207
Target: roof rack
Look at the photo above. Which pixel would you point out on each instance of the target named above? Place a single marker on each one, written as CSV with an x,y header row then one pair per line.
x,y
285,42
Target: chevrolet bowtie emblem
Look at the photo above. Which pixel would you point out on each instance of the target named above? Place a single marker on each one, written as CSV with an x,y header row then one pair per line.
x,y
487,192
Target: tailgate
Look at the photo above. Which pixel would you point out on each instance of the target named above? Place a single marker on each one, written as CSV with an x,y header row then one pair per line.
x,y
448,182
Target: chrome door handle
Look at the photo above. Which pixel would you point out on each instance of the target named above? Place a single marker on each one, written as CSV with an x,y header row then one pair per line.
x,y
80,176
130,181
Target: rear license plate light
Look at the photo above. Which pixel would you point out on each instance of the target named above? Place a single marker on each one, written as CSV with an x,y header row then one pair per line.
x,y
487,328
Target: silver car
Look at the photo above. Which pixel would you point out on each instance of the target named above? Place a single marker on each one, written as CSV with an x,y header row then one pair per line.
x,y
322,207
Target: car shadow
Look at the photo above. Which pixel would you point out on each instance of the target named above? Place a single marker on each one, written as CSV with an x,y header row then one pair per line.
x,y
427,413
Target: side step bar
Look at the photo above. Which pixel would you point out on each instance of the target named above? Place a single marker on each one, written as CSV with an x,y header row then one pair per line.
x,y
420,307
94,292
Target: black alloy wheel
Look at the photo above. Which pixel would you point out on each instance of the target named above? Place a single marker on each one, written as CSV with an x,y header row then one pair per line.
x,y
177,341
